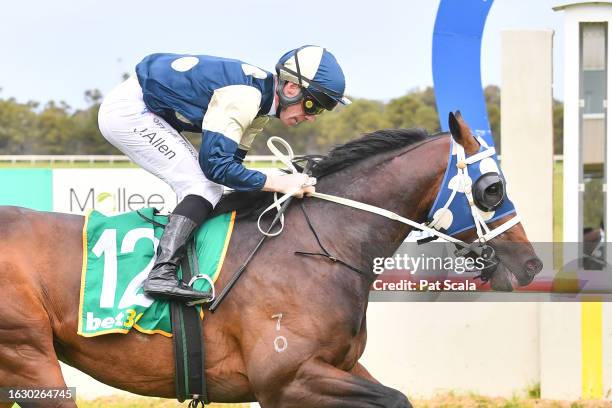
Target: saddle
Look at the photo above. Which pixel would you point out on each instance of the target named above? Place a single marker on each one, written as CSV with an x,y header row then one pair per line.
x,y
119,249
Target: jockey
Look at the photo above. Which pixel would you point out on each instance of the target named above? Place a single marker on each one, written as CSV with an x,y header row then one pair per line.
x,y
229,102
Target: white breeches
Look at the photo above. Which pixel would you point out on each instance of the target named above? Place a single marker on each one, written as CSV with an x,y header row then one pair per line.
x,y
149,141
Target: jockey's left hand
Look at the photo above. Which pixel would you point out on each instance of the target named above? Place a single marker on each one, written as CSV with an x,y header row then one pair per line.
x,y
287,183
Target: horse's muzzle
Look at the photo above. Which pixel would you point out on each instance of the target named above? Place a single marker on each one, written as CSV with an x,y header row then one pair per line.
x,y
530,269
533,267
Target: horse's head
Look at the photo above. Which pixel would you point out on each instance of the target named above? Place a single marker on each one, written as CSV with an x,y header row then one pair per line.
x,y
472,205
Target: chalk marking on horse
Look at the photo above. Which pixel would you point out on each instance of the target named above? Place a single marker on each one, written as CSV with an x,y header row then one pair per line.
x,y
279,339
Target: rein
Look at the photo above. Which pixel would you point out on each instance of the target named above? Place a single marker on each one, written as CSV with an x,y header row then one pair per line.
x,y
484,233
478,246
325,252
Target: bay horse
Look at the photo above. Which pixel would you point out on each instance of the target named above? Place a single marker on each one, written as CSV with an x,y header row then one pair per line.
x,y
316,305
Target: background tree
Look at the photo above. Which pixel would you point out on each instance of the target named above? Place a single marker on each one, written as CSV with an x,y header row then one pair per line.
x,y
558,126
18,127
492,96
25,128
54,129
416,109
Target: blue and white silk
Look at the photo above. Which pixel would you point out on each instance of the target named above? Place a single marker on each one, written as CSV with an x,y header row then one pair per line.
x,y
228,100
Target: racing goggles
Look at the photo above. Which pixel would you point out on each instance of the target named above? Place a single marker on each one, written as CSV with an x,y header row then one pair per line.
x,y
324,97
489,191
311,105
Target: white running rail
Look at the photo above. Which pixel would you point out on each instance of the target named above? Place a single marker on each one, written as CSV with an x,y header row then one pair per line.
x,y
102,158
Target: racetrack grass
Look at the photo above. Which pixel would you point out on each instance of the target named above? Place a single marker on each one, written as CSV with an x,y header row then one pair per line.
x,y
456,400
141,402
443,400
128,402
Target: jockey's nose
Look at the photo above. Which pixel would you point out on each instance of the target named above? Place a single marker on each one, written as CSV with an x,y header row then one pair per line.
x,y
310,118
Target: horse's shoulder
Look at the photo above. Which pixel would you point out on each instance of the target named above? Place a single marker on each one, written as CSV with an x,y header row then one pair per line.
x,y
14,218
12,215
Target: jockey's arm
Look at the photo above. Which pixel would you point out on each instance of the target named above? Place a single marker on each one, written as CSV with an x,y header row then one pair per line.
x,y
229,126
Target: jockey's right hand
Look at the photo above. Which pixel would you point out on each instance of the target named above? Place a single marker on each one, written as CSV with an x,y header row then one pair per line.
x,y
286,183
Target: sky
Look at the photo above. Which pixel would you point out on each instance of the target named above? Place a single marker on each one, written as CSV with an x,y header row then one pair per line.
x,y
56,50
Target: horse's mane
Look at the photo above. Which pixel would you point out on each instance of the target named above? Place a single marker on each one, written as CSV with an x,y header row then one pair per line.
x,y
370,144
340,157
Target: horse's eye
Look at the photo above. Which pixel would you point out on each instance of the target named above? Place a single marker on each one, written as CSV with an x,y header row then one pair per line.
x,y
493,189
488,191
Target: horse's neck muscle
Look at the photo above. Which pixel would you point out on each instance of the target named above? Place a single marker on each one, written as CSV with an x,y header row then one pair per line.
x,y
403,183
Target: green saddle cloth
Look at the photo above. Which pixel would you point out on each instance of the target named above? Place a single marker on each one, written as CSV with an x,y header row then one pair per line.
x,y
118,253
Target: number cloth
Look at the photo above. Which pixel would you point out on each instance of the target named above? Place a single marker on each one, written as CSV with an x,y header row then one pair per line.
x,y
118,253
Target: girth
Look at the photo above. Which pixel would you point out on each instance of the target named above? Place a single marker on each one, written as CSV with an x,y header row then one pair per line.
x,y
188,341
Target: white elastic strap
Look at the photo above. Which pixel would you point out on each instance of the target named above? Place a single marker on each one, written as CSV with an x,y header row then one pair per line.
x,y
485,227
450,199
482,142
502,228
479,156
276,204
434,223
465,174
285,158
479,232
388,214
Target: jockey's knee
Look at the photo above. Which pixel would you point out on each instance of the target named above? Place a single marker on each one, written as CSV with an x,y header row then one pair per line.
x,y
211,192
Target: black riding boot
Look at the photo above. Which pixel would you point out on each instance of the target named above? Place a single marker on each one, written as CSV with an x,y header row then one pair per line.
x,y
162,282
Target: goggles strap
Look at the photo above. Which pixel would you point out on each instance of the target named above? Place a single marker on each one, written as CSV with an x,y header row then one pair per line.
x,y
311,83
297,66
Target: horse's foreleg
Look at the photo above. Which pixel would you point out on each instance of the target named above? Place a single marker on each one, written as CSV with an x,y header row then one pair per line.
x,y
27,356
30,370
317,384
41,372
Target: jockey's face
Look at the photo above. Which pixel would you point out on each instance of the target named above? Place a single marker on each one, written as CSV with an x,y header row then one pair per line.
x,y
293,114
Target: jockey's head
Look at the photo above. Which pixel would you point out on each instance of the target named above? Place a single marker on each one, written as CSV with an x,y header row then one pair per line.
x,y
310,81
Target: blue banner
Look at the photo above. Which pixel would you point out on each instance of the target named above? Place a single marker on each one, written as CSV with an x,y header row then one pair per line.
x,y
456,63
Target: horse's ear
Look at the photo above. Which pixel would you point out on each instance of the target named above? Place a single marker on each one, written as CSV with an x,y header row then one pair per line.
x,y
453,125
461,133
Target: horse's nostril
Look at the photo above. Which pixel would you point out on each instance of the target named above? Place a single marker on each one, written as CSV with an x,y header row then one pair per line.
x,y
533,265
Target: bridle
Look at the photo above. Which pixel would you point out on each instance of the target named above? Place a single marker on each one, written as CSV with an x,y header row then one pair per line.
x,y
478,246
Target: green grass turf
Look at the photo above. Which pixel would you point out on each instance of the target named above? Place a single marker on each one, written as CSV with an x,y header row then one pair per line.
x,y
446,400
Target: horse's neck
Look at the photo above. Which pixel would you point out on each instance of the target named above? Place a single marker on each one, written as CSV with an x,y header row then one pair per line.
x,y
405,184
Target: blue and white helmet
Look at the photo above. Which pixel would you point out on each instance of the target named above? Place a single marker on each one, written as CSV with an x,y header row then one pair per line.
x,y
318,73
